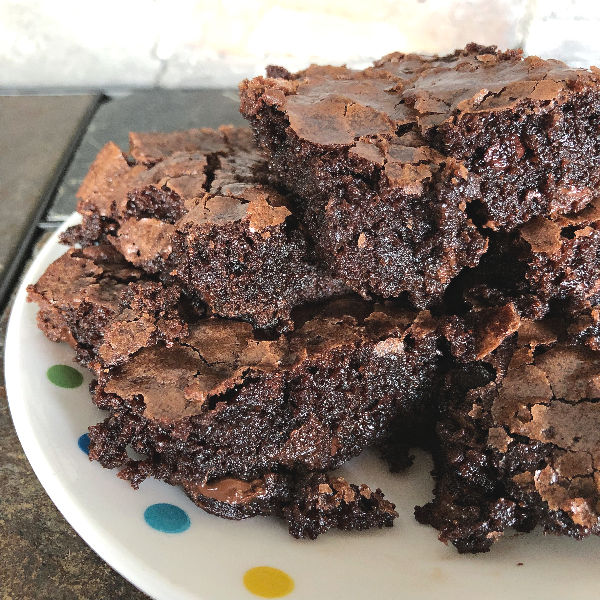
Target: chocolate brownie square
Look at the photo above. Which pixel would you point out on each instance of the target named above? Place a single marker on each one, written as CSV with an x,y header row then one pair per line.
x,y
387,212
225,402
245,423
106,309
498,139
518,441
527,126
206,219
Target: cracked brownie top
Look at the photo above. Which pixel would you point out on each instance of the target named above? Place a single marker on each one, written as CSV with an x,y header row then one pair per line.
x,y
551,396
220,355
195,207
507,117
105,308
519,443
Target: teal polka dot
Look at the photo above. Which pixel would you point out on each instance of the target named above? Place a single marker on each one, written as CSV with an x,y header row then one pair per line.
x,y
167,518
84,443
64,376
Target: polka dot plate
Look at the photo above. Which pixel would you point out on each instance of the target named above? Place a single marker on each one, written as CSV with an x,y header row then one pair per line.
x,y
170,549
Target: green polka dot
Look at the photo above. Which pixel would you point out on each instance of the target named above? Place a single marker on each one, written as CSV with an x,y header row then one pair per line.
x,y
64,376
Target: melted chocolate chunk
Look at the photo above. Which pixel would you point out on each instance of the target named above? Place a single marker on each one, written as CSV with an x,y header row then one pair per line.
x,y
311,504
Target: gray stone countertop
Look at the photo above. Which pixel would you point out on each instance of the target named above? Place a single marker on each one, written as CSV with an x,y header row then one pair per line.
x,y
41,556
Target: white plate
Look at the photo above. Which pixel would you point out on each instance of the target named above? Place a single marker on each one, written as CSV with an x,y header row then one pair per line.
x,y
208,561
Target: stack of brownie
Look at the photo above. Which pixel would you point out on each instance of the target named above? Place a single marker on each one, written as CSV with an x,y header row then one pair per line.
x,y
403,255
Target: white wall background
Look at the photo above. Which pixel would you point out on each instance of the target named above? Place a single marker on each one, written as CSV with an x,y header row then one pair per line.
x,y
192,43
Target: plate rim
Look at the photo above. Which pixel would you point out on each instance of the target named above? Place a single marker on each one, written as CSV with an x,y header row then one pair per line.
x,y
124,562
101,538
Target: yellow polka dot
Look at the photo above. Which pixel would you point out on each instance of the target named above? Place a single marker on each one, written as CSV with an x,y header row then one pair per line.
x,y
268,582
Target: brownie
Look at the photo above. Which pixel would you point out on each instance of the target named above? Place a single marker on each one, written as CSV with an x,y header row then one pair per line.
x,y
311,503
387,212
543,266
518,441
227,403
212,396
194,207
396,164
245,423
106,309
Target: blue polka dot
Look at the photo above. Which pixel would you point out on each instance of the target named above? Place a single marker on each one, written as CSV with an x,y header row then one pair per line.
x,y
84,443
167,518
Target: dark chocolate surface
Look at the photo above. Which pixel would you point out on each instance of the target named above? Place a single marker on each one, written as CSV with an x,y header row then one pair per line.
x,y
496,140
195,208
518,442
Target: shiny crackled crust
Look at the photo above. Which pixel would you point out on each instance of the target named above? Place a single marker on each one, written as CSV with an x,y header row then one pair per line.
x,y
518,134
194,207
105,308
518,441
309,400
525,126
